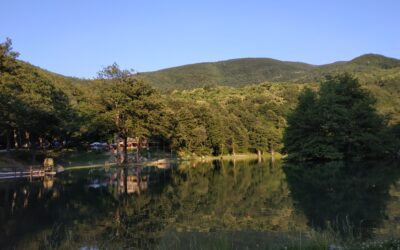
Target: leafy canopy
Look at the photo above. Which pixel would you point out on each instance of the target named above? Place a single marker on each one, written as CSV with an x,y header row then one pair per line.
x,y
338,122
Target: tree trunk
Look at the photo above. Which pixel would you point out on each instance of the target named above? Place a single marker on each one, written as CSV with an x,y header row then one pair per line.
x,y
16,145
19,138
125,160
272,152
139,180
8,145
125,176
137,148
33,148
234,170
259,155
28,138
271,163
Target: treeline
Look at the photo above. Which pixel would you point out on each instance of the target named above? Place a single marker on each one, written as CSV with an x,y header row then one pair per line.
x,y
205,121
39,109
32,110
224,120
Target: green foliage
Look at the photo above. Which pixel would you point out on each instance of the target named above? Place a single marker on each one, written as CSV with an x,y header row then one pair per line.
x,y
130,107
338,122
192,119
235,73
31,107
242,72
7,57
230,120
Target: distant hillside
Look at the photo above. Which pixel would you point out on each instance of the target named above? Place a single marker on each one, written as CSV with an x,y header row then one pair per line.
x,y
235,73
374,60
360,65
378,73
241,72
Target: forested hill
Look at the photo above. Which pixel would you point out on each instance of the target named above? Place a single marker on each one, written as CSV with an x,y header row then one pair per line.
x,y
369,68
379,74
217,108
234,73
241,72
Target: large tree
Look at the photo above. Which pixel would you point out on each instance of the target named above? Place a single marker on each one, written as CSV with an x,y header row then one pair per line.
x,y
338,122
131,107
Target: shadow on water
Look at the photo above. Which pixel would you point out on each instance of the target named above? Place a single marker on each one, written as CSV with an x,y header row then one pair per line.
x,y
348,198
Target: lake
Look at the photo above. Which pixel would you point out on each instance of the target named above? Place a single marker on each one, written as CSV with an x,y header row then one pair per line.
x,y
232,203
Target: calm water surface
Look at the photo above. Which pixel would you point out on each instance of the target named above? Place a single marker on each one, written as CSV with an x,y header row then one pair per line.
x,y
112,208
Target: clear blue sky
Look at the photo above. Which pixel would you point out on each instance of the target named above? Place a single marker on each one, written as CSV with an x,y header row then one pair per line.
x,y
78,37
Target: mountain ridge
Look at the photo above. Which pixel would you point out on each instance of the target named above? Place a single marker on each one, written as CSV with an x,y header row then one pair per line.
x,y
379,74
239,72
243,71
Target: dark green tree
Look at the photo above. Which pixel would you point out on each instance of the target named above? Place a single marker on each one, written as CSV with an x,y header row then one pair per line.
x,y
338,122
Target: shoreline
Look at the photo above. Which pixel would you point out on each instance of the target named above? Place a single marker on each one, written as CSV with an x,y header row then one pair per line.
x,y
244,156
7,162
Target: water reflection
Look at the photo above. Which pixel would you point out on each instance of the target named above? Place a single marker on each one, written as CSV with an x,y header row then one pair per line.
x,y
137,207
122,181
51,206
349,198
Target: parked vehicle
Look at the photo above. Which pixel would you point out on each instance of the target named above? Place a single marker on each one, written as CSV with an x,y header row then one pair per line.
x,y
99,146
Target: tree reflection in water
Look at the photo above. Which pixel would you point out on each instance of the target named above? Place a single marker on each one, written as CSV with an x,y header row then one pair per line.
x,y
137,208
349,198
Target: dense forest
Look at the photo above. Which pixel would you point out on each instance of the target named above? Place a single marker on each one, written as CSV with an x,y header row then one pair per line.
x,y
229,107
